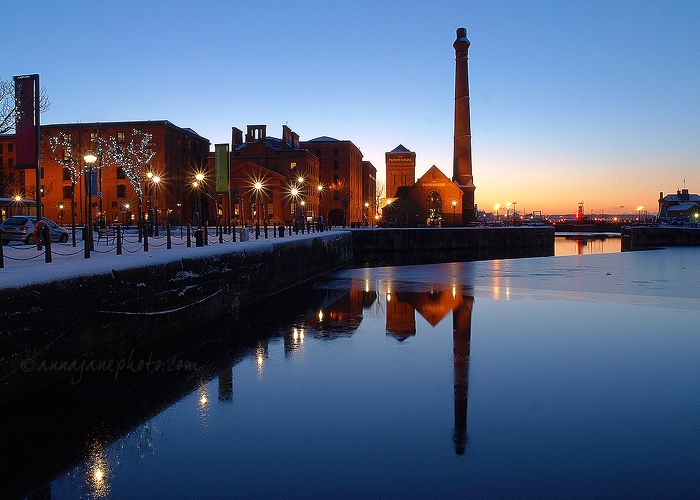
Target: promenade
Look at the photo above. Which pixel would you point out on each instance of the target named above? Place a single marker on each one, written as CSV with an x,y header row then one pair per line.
x,y
24,264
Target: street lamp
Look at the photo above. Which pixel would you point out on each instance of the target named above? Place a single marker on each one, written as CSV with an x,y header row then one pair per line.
x,y
258,186
90,158
156,181
60,213
367,214
127,214
454,212
497,207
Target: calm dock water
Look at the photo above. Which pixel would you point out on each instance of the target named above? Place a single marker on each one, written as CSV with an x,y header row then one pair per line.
x,y
566,376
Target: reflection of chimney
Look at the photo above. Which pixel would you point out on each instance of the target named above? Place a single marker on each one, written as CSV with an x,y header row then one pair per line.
x,y
461,337
462,155
226,384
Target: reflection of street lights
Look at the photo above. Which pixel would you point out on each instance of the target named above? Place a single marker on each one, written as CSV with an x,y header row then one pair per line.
x,y
454,212
90,160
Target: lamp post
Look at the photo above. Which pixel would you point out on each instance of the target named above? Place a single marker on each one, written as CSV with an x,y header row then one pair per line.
x,y
156,181
454,212
497,207
258,186
60,213
90,160
367,213
127,215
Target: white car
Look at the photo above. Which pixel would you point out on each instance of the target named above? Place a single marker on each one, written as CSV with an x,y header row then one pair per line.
x,y
21,227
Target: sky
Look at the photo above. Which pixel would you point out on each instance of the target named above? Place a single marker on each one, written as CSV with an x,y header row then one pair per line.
x,y
571,101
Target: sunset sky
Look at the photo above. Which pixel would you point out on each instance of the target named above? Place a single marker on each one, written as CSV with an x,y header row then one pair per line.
x,y
572,101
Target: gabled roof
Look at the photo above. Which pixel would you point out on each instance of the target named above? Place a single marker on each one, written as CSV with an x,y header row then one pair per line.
x,y
682,207
400,149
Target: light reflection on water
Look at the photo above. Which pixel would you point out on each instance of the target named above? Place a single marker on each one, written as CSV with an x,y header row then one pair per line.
x,y
586,243
403,387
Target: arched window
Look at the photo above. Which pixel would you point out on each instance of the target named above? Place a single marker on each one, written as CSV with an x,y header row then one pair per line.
x,y
434,204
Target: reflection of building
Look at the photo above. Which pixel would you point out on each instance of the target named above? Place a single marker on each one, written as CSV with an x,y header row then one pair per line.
x,y
434,306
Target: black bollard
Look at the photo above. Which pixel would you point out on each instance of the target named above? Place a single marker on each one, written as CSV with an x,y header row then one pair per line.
x,y
46,234
169,243
281,230
206,234
145,241
233,231
119,240
86,243
199,238
2,256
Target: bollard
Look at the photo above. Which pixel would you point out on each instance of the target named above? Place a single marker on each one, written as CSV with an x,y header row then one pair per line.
x,y
198,238
119,240
281,230
189,235
221,234
2,257
265,224
290,230
46,234
206,234
86,243
145,241
274,230
257,230
168,240
233,227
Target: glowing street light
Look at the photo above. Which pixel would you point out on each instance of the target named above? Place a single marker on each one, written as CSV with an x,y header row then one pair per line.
x,y
454,212
258,187
496,208
156,181
90,158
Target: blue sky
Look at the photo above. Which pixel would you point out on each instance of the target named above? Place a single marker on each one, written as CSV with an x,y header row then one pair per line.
x,y
591,101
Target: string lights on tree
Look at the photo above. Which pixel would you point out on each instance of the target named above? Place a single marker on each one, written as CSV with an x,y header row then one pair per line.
x,y
132,157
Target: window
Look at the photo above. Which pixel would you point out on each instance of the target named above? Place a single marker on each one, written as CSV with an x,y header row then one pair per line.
x,y
42,173
121,190
10,147
120,137
120,173
335,151
66,138
335,165
114,204
149,137
11,162
335,179
67,191
66,155
93,136
318,152
21,177
0,149
269,210
66,174
293,165
148,151
336,195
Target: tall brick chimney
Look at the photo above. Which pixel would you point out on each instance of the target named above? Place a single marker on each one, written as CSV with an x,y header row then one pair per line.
x,y
462,158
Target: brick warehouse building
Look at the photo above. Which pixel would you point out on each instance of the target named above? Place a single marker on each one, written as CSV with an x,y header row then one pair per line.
x,y
340,174
179,153
278,164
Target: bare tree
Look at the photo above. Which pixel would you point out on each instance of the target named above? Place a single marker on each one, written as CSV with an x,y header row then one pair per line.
x,y
65,151
8,105
131,157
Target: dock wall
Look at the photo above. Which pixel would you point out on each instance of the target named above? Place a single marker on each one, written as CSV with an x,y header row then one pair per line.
x,y
646,237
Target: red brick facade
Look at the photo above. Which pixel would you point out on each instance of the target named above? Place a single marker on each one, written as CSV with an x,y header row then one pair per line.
x,y
179,153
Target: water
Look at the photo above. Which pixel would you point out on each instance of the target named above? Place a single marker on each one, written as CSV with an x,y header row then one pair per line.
x,y
586,243
545,377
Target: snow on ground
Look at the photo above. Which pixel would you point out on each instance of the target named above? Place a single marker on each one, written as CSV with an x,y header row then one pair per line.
x,y
24,264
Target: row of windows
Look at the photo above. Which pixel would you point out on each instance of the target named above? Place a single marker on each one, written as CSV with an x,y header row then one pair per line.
x,y
318,152
10,147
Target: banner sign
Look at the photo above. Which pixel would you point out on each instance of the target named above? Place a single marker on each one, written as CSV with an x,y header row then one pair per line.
x,y
222,167
91,176
27,100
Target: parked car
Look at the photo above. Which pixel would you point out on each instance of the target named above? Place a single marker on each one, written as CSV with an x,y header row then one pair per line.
x,y
21,227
